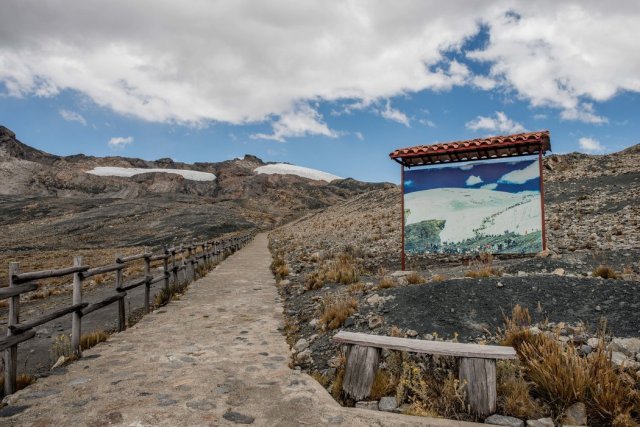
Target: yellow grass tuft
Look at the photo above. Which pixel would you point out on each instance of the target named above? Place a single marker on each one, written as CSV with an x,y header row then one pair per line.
x,y
335,309
415,279
606,272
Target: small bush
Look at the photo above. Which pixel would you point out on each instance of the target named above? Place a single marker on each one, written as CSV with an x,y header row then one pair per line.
x,y
605,272
483,267
415,279
356,288
279,266
92,339
439,277
514,392
341,270
335,309
384,384
386,282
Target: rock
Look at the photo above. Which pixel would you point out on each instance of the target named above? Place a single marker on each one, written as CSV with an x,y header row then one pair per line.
x,y
375,299
61,361
372,405
502,420
238,418
334,362
598,308
400,273
542,422
304,357
428,337
285,282
543,254
411,333
628,346
585,349
313,322
534,330
522,274
348,322
387,404
593,342
301,345
576,415
375,322
499,285
558,272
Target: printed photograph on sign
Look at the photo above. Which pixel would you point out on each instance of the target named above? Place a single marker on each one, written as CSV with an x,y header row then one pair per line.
x,y
490,206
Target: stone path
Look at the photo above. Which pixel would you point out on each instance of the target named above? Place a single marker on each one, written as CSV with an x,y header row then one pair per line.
x,y
215,357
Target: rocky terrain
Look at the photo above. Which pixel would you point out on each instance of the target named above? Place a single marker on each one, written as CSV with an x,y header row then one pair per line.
x,y
50,203
348,255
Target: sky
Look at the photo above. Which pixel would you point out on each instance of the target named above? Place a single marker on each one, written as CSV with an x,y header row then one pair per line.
x,y
512,176
334,86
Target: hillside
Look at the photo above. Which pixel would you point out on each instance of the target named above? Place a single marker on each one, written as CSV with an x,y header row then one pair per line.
x,y
113,201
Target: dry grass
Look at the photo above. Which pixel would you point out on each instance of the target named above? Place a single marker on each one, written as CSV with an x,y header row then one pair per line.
x,y
514,392
342,269
356,288
483,267
320,378
336,387
606,272
439,277
92,339
560,376
415,279
22,381
386,282
279,266
384,384
335,309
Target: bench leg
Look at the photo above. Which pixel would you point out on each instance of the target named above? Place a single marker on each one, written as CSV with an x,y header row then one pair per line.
x,y
479,377
362,364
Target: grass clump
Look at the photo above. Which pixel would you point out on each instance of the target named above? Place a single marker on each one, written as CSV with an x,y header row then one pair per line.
x,y
414,278
320,378
386,282
483,267
384,384
92,339
279,266
356,288
606,272
514,392
335,309
342,269
22,381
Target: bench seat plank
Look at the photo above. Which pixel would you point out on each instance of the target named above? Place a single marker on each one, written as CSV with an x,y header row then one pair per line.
x,y
441,348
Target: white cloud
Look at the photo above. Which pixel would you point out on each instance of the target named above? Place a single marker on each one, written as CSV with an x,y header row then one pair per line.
x,y
359,135
473,180
521,176
390,113
72,116
499,123
467,167
540,116
238,61
303,120
426,122
119,142
591,145
492,186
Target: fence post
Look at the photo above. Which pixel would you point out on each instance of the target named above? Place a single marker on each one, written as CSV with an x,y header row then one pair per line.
x,y
147,284
122,324
76,319
190,253
11,354
174,269
165,267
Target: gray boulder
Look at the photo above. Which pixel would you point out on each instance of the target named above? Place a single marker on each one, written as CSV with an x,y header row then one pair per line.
x,y
503,420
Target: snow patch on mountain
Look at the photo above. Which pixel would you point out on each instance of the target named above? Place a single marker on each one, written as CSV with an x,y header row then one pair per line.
x,y
287,169
475,211
129,172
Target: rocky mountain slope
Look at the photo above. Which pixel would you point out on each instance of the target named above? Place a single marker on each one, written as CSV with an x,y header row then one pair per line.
x,y
50,201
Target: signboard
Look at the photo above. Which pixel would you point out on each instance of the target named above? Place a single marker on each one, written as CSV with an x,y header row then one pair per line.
x,y
467,208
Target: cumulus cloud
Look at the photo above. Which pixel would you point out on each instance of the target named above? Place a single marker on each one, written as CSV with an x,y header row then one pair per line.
x,y
390,113
591,145
473,180
521,176
498,123
72,116
119,142
304,120
237,61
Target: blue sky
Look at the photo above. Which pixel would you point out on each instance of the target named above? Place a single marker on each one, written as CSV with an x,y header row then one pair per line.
x,y
335,87
512,176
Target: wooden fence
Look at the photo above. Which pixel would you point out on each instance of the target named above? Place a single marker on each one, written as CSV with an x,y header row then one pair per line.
x,y
184,258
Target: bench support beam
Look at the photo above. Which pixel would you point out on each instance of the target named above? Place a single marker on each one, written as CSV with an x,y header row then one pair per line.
x,y
362,364
479,378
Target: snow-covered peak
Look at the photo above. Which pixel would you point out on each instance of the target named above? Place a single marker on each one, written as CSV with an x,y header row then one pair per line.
x,y
287,169
129,172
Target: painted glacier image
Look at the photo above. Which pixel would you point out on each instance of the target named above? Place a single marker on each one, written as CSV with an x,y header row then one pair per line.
x,y
466,208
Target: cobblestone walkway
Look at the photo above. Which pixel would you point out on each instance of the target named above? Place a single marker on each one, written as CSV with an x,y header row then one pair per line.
x,y
214,357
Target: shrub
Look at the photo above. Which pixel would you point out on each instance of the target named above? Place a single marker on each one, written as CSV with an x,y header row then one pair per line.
x,y
384,384
91,339
386,282
356,288
483,267
415,279
606,272
341,270
439,277
514,392
335,309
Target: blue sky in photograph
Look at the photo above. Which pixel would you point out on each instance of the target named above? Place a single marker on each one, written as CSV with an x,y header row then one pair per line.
x,y
332,86
511,176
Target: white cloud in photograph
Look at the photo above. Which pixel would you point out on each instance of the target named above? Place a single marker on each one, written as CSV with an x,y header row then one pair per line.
x,y
473,180
521,176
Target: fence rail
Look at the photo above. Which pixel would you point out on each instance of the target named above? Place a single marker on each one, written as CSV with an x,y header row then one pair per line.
x,y
192,257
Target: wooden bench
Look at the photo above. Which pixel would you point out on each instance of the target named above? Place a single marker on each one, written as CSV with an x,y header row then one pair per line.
x,y
477,368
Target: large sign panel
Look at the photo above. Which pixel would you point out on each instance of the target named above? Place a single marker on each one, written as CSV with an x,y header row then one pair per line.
x,y
465,208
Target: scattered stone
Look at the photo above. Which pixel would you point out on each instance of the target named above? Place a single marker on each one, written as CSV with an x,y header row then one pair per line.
x,y
349,321
598,308
285,282
301,345
502,420
499,285
201,405
304,357
593,342
620,359
558,272
411,333
534,330
61,361
313,322
9,411
387,404
522,274
628,346
401,273
238,418
585,349
375,322
542,422
576,415
78,381
428,337
372,405
374,299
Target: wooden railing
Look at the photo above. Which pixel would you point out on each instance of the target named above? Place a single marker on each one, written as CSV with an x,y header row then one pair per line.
x,y
184,258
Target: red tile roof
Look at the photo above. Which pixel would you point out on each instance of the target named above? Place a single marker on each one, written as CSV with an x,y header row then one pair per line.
x,y
481,148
